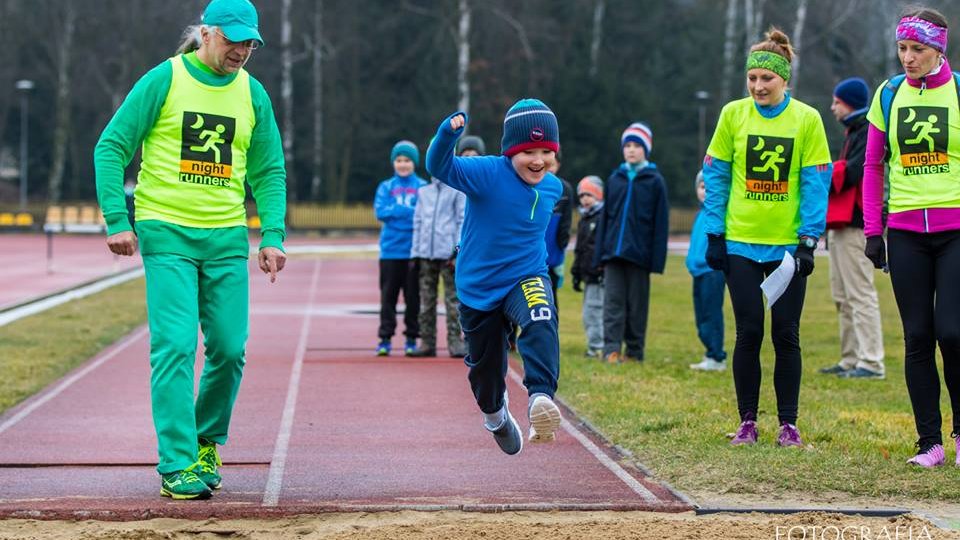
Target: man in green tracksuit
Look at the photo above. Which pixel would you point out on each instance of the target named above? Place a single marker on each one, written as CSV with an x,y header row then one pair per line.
x,y
206,127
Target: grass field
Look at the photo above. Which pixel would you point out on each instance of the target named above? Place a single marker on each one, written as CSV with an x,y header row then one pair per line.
x,y
858,432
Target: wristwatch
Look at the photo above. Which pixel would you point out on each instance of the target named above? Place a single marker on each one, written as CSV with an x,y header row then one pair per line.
x,y
808,242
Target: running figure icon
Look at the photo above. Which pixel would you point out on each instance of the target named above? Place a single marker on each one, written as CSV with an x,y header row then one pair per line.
x,y
771,159
212,137
926,129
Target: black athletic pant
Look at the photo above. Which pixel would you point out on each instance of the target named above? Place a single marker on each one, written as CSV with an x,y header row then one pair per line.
x,y
743,279
925,272
397,275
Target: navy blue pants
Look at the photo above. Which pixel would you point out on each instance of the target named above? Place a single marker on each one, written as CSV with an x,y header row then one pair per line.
x,y
531,307
708,290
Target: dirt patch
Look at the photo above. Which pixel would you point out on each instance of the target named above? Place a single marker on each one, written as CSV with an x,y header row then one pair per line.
x,y
511,525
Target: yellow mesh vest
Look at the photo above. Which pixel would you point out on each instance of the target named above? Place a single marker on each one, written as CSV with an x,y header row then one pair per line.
x,y
195,157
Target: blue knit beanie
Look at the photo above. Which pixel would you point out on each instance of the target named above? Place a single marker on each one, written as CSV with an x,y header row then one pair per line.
x,y
854,92
406,148
529,124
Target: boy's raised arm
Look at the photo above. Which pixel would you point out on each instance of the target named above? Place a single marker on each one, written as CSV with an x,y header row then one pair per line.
x,y
469,176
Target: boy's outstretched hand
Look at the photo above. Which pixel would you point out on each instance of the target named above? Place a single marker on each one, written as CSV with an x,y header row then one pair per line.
x,y
458,122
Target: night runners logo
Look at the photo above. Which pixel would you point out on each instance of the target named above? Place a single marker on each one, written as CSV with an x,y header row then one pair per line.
x,y
768,168
923,135
206,155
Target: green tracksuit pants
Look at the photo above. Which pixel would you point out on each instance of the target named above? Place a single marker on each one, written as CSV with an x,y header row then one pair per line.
x,y
181,293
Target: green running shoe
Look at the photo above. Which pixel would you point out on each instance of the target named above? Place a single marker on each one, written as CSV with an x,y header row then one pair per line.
x,y
183,485
209,464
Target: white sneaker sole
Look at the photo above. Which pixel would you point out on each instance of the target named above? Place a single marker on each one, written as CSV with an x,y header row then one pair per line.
x,y
544,421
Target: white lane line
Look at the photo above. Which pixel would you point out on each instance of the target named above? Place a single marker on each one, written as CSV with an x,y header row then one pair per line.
x,y
271,493
601,456
66,383
44,304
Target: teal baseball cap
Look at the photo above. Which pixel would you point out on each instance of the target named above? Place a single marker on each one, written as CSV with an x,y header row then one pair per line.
x,y
237,19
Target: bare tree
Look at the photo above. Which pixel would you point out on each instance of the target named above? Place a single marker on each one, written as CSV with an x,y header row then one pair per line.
x,y
286,96
796,39
62,109
316,181
729,49
597,35
463,57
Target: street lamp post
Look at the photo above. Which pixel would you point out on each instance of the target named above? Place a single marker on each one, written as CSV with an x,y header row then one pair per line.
x,y
24,86
702,97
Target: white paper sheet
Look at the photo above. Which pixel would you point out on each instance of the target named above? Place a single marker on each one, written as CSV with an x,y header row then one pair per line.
x,y
777,282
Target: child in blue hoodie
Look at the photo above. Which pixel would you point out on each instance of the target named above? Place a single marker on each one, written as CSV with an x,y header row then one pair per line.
x,y
501,268
631,243
709,286
394,205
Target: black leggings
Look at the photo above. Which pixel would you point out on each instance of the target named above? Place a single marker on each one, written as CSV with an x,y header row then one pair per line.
x,y
743,279
924,270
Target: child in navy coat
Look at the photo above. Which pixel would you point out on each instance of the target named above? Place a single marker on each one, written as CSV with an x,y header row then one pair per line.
x,y
631,243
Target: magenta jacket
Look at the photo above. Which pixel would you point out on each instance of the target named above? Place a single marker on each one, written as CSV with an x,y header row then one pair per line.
x,y
924,220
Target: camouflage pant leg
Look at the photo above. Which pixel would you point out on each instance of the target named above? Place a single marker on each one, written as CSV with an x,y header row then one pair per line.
x,y
429,280
452,303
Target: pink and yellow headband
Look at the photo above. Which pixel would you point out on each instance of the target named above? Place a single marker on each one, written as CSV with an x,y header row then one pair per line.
x,y
922,31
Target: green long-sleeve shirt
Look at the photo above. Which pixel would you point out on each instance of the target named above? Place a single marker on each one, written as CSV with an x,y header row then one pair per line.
x,y
130,126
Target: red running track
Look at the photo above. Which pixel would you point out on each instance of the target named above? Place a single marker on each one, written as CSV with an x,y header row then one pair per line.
x,y
77,259
320,425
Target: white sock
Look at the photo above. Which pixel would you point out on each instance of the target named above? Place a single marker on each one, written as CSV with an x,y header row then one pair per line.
x,y
493,421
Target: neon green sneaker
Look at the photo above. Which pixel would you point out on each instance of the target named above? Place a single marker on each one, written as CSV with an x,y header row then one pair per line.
x,y
209,464
185,484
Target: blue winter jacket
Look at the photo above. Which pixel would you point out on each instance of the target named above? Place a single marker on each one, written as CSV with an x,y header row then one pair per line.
x,y
697,252
503,229
635,219
393,205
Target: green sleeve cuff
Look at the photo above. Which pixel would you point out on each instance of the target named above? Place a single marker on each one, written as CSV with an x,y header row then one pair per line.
x,y
272,239
117,223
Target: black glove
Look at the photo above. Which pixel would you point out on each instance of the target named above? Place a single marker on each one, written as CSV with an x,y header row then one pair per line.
x,y
804,260
717,252
576,285
876,251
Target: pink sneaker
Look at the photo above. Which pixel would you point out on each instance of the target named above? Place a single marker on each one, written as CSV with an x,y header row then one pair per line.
x,y
934,457
956,439
789,436
746,433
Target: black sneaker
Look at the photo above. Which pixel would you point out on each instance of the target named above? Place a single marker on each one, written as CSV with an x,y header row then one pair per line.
x,y
423,352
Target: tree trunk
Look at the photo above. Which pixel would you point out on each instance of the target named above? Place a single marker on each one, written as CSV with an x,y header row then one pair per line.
x,y
463,58
597,36
286,97
61,130
795,39
729,49
316,182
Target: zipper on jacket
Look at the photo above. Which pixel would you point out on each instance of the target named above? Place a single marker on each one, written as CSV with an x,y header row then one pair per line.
x,y
623,218
926,222
536,199
923,84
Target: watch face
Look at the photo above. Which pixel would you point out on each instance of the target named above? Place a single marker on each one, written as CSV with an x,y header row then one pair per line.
x,y
810,242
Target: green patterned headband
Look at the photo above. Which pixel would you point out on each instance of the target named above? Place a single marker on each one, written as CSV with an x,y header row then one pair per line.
x,y
768,60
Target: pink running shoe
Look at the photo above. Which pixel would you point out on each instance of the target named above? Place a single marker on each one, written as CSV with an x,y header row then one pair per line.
x,y
934,457
956,439
746,433
789,436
